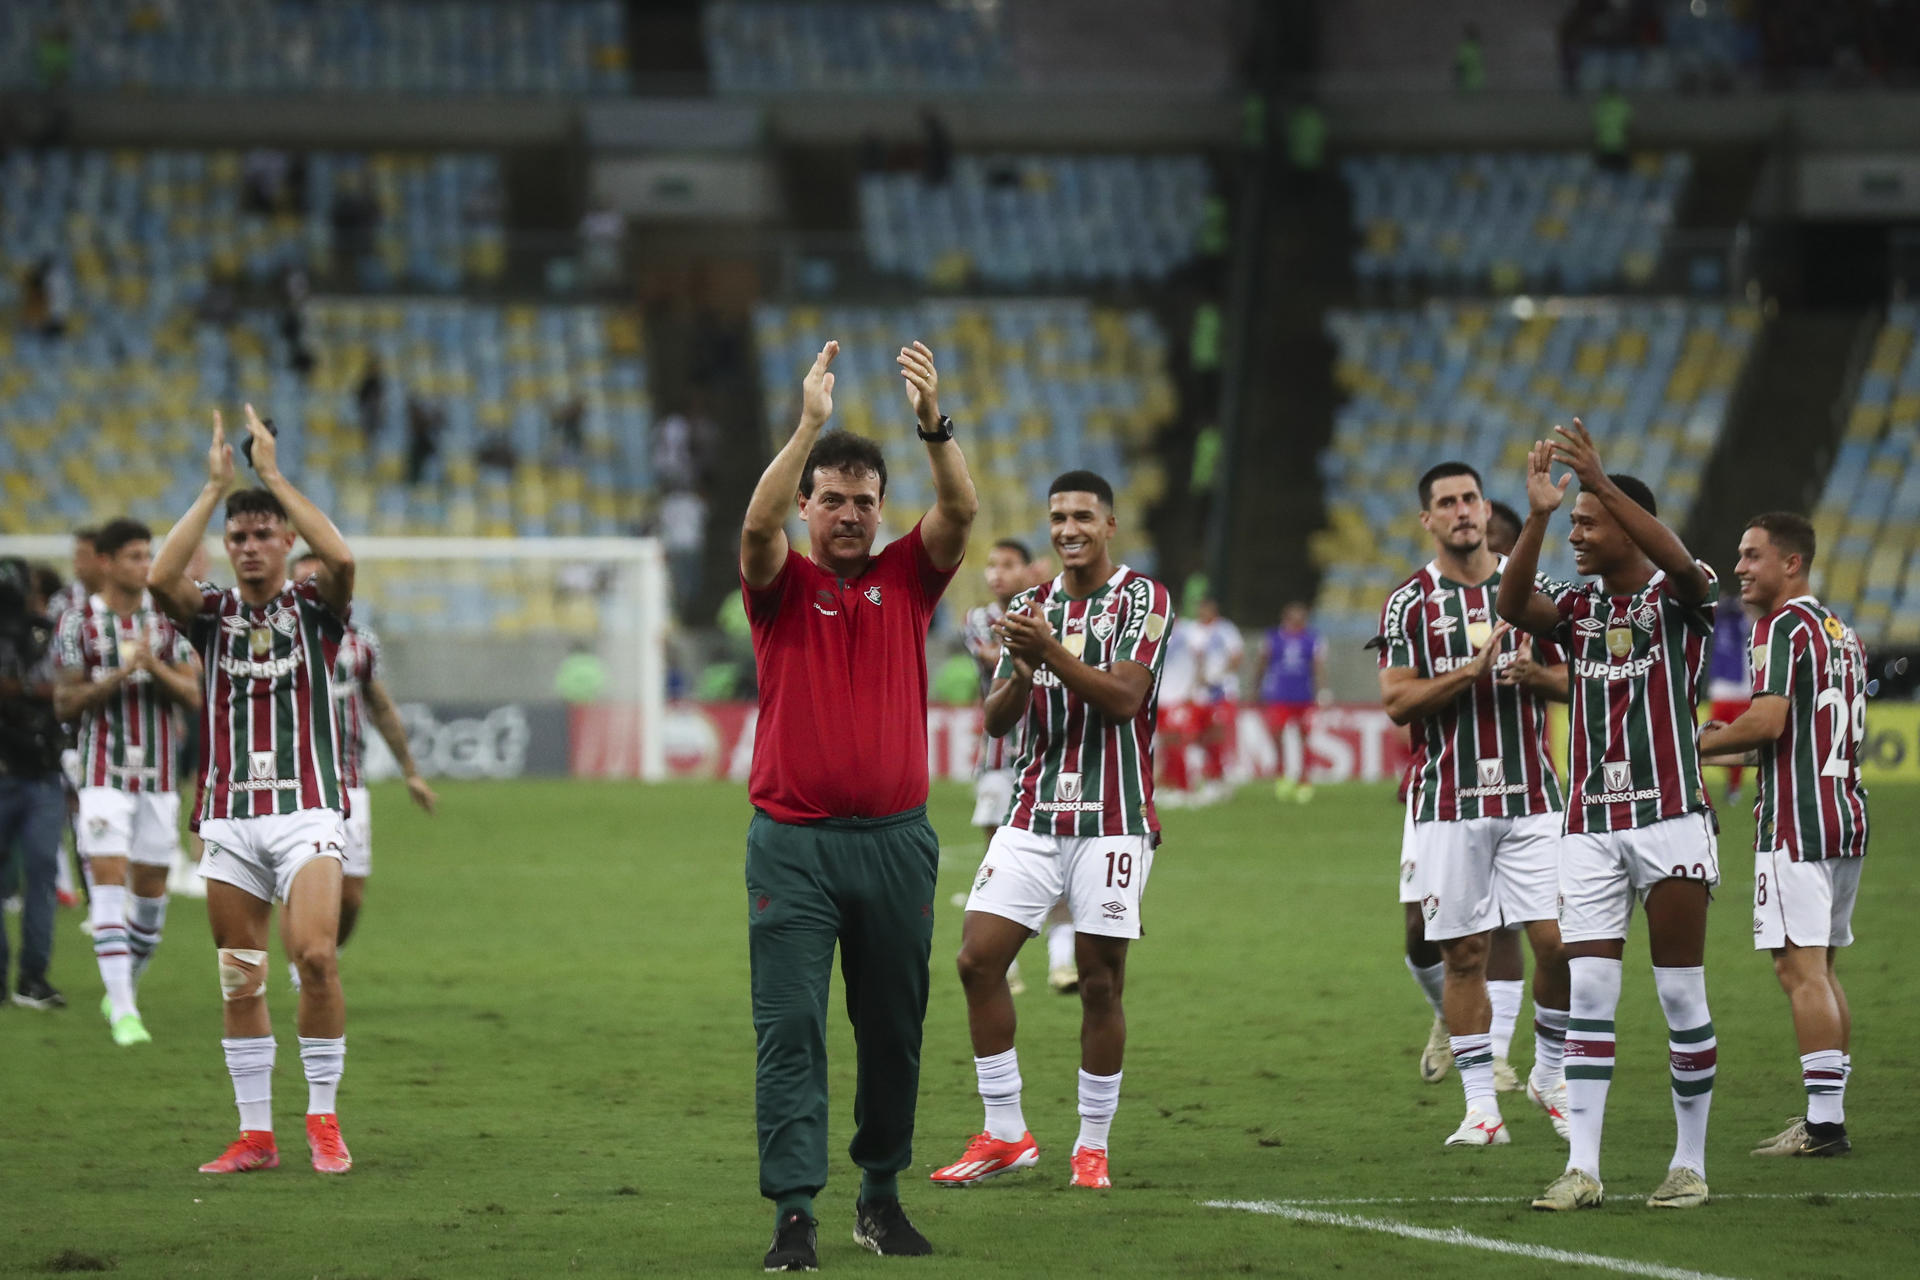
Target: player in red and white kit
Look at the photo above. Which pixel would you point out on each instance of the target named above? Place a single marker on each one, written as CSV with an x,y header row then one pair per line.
x,y
122,667
1219,649
1639,825
273,800
360,698
1807,721
1078,669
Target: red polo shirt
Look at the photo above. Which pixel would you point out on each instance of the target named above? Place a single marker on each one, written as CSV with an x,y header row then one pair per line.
x,y
842,731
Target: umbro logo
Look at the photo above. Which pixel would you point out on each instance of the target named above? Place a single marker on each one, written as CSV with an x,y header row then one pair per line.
x,y
1589,626
1443,625
1114,908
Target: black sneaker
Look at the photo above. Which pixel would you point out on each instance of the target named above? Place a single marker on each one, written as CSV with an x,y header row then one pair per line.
x,y
36,993
882,1226
792,1248
1825,1140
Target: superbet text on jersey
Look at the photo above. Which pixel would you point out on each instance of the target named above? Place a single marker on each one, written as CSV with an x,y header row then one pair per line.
x,y
1486,755
1079,773
1810,801
272,742
1637,661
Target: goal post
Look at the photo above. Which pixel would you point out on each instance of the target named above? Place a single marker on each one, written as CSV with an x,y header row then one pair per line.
x,y
472,622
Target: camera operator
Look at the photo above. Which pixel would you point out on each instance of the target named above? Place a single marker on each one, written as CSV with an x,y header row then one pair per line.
x,y
32,805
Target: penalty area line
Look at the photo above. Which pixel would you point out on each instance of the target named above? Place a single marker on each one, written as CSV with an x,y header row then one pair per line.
x,y
1463,1239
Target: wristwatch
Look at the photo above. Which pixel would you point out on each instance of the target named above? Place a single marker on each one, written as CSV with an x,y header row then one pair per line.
x,y
944,433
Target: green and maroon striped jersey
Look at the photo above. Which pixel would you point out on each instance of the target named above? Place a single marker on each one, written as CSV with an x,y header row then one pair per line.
x,y
271,741
1486,755
1811,802
127,742
355,666
1636,662
1079,773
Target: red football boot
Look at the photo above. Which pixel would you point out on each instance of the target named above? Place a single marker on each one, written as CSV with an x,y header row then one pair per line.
x,y
987,1157
251,1151
330,1154
1090,1168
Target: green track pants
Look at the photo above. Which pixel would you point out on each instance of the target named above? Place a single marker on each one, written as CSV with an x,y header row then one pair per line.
x,y
868,885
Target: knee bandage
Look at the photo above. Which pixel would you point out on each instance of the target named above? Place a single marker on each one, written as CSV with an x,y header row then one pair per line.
x,y
240,967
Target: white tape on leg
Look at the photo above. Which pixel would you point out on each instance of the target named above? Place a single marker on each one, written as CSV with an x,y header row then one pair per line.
x,y
238,966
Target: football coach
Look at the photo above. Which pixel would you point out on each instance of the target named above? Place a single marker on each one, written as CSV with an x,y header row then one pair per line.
x,y
839,849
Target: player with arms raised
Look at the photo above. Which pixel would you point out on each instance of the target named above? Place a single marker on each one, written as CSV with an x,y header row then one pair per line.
x,y
1078,668
1638,823
122,668
272,798
1484,800
1807,720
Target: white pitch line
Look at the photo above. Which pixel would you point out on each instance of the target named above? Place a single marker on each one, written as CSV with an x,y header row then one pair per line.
x,y
1466,1239
1352,1201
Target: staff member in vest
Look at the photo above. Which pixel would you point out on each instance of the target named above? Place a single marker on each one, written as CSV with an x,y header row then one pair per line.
x,y
840,849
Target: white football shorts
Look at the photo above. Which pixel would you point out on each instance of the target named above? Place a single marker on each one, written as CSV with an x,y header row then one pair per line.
x,y
359,825
143,826
1809,904
1409,859
1477,874
1102,879
992,797
1602,873
263,855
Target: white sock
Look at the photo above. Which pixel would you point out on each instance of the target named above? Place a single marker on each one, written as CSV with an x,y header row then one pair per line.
x,y
1692,1051
63,873
1473,1055
1099,1099
250,1063
999,1078
1846,1066
1824,1074
325,1060
146,918
1589,1057
1432,980
1060,945
1505,997
1549,1046
108,915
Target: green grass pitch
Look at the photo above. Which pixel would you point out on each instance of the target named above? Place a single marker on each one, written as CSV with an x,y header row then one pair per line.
x,y
551,1073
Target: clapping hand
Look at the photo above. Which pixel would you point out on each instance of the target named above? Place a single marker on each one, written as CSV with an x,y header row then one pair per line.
x,y
263,449
923,384
1026,637
1544,493
219,456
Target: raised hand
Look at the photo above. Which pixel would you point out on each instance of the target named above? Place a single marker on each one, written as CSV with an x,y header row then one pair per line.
x,y
816,389
923,384
1575,450
1544,493
265,457
219,455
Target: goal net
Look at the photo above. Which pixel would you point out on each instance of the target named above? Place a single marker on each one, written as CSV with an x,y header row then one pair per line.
x,y
503,652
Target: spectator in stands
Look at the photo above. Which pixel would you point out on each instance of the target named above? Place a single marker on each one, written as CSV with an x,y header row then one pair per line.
x,y
602,233
425,421
53,57
569,428
354,216
1612,120
497,453
936,161
370,397
263,181
49,297
1306,142
293,320
1469,61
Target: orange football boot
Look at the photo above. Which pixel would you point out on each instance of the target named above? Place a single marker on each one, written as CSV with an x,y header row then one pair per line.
x,y
330,1154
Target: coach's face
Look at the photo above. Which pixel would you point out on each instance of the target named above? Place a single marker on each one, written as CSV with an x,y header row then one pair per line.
x,y
842,516
1456,514
257,546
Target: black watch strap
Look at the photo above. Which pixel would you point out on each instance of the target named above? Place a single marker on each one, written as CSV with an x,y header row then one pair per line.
x,y
944,433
